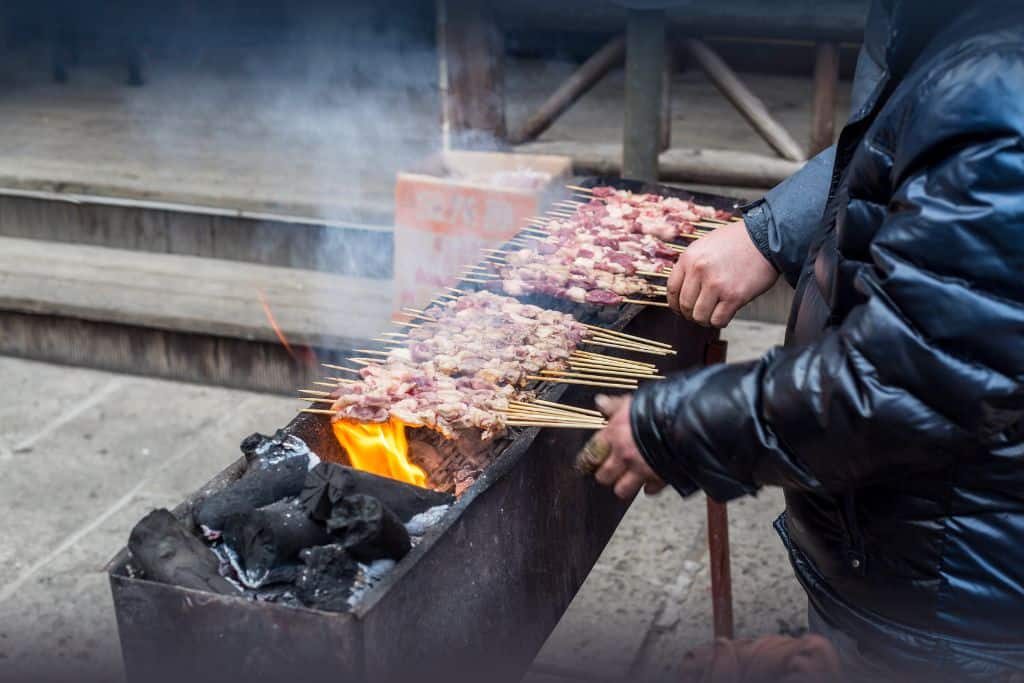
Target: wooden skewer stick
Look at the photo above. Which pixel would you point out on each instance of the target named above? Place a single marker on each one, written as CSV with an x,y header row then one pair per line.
x,y
467,279
580,188
552,420
580,354
609,370
660,304
609,385
310,399
613,359
339,367
314,392
527,423
619,333
317,411
333,385
548,410
551,408
627,347
341,380
544,410
575,409
372,352
630,345
651,273
587,375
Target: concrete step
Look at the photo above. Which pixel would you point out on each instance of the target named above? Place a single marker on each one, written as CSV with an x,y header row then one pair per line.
x,y
166,223
181,317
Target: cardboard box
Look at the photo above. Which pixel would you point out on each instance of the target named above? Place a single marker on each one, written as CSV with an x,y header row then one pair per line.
x,y
447,212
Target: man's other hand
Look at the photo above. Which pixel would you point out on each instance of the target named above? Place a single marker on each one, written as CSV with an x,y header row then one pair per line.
x,y
717,275
624,469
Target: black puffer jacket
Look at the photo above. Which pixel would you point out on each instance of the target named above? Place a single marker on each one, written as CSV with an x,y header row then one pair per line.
x,y
894,419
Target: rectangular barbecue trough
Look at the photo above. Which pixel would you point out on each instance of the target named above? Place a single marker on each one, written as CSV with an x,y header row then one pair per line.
x,y
479,591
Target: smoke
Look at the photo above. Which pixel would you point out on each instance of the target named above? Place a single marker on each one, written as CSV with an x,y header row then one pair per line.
x,y
305,110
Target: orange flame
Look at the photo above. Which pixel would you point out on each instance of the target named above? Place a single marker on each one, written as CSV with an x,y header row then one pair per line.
x,y
379,448
308,356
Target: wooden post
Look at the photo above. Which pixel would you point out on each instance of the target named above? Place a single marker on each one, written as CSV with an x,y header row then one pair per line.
x,y
471,50
645,56
583,79
718,540
823,104
746,102
665,126
721,573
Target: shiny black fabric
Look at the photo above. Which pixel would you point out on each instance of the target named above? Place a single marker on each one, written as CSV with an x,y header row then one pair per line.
x,y
894,418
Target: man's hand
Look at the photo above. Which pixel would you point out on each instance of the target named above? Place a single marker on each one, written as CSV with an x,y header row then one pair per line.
x,y
717,275
623,467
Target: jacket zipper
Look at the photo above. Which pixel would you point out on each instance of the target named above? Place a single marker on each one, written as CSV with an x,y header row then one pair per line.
x,y
856,561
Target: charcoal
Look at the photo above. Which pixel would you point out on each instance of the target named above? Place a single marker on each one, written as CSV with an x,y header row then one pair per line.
x,y
368,529
271,537
325,582
329,483
167,551
259,449
261,485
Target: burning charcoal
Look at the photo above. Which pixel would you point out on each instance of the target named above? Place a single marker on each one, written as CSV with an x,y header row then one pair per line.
x,y
326,580
168,552
328,483
259,486
271,537
368,529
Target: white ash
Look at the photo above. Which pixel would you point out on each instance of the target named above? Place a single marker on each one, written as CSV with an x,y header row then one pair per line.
x,y
234,571
419,524
282,446
369,576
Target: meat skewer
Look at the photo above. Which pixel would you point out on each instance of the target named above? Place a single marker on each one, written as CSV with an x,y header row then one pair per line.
x,y
468,360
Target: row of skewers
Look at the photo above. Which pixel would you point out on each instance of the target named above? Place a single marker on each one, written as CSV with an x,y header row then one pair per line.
x,y
470,359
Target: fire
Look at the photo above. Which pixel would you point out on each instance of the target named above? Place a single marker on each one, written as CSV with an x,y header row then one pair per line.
x,y
379,448
308,356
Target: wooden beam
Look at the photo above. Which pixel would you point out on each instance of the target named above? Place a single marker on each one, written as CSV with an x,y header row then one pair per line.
x,y
718,537
471,51
645,57
687,165
746,102
575,86
823,104
665,126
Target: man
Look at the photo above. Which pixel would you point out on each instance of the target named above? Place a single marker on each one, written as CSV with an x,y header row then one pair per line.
x,y
894,417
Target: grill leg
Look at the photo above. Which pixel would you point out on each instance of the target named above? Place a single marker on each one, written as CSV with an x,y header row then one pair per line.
x,y
718,539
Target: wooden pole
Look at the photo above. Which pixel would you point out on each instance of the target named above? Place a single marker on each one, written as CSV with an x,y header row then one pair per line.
x,y
683,165
582,80
665,126
721,572
471,50
746,102
645,56
718,540
823,104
